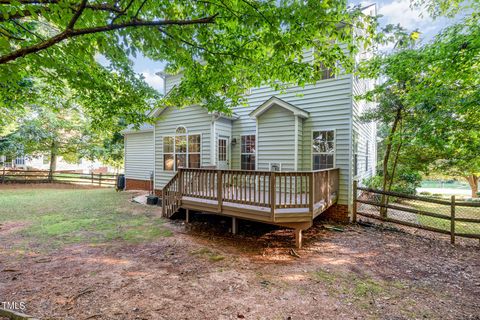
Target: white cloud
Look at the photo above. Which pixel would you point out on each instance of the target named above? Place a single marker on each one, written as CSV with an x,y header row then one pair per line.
x,y
399,11
153,80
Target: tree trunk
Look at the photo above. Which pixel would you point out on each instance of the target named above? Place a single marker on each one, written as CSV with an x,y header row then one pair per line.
x,y
53,161
473,182
386,159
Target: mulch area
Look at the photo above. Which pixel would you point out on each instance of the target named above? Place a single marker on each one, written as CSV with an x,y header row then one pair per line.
x,y
204,272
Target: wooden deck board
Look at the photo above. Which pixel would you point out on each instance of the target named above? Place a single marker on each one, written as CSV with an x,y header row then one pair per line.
x,y
253,212
291,199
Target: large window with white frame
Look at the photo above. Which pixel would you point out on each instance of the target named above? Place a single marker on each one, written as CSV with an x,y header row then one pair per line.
x,y
181,150
323,149
248,147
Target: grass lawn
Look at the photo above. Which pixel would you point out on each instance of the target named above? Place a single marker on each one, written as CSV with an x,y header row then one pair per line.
x,y
460,212
92,254
50,218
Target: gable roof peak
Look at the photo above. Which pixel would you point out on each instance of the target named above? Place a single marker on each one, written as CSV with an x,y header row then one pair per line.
x,y
275,101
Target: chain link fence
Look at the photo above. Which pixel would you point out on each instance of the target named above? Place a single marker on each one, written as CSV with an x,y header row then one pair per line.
x,y
450,217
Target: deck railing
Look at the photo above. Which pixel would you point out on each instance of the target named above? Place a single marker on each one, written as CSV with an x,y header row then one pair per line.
x,y
270,189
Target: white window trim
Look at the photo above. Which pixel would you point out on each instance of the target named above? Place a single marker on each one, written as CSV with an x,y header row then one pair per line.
x,y
355,166
187,153
226,147
334,146
255,153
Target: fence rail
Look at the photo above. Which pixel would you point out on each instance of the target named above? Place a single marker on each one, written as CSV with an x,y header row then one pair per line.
x,y
454,218
312,191
39,176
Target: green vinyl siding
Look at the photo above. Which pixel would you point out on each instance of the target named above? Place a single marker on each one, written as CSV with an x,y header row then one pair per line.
x,y
329,103
367,131
276,139
138,155
197,121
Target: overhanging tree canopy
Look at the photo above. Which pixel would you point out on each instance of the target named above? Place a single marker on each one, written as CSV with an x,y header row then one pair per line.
x,y
223,46
430,99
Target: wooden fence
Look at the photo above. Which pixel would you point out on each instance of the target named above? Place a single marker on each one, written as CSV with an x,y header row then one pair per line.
x,y
450,217
39,176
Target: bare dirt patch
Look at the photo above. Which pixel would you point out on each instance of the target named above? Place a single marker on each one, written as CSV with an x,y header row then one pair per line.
x,y
203,272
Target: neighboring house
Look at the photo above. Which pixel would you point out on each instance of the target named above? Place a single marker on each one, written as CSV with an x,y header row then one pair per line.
x,y
43,163
293,134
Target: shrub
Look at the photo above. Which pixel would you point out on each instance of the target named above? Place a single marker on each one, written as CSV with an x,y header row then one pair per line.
x,y
406,182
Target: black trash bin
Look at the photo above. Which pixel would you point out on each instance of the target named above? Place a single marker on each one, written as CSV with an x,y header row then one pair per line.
x,y
120,182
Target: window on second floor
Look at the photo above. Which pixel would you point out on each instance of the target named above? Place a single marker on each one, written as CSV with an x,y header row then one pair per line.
x,y
326,73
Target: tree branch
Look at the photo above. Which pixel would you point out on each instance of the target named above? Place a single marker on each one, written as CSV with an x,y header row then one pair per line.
x,y
9,35
26,13
77,15
69,33
139,9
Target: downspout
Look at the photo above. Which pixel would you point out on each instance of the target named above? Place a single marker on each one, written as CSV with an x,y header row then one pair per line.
x,y
295,163
350,147
213,143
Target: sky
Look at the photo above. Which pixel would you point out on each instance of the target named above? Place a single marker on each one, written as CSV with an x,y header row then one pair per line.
x,y
393,11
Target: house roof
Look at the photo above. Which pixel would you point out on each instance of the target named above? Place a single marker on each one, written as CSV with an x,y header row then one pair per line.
x,y
274,101
145,127
232,116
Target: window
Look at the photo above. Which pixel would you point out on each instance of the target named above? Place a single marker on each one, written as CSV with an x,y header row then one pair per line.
x,y
181,150
248,148
366,156
325,73
168,154
20,161
355,153
222,149
323,149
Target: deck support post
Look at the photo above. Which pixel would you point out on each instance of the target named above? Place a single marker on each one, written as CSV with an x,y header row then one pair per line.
x,y
187,215
298,238
234,225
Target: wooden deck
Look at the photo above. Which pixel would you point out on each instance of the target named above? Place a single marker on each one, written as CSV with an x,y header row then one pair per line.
x,y
290,199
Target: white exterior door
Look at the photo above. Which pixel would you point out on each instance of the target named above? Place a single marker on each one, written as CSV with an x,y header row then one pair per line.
x,y
223,153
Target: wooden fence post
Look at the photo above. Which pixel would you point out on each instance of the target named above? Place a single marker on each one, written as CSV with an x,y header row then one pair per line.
x,y
273,194
219,190
311,191
3,176
92,176
354,205
180,181
100,179
452,220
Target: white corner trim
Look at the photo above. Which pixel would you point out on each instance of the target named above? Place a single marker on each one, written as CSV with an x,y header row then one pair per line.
x,y
295,161
154,157
256,145
213,142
